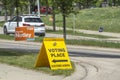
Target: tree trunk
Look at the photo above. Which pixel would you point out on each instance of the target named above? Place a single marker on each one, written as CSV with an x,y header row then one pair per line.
x,y
79,5
64,27
87,4
5,10
114,2
47,6
17,12
11,12
5,14
54,28
119,2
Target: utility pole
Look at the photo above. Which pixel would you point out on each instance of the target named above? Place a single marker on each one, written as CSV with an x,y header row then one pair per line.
x,y
53,7
29,8
38,3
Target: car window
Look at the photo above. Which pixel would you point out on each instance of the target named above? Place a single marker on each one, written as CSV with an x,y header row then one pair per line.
x,y
12,19
15,19
20,19
33,20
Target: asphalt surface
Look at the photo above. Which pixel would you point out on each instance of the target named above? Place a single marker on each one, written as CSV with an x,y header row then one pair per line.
x,y
1,30
91,63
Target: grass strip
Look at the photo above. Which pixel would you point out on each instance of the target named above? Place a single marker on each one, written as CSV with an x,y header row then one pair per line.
x,y
27,60
75,42
8,37
94,43
90,19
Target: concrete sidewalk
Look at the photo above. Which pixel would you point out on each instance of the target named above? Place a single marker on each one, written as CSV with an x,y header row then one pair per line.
x,y
8,72
115,37
110,34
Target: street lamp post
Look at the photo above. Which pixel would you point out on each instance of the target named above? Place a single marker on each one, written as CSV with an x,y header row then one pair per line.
x,y
38,3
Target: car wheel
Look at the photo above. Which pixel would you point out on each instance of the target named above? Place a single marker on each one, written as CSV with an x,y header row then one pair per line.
x,y
42,34
5,31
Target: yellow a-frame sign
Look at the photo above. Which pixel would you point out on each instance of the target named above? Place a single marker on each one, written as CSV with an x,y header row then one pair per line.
x,y
53,54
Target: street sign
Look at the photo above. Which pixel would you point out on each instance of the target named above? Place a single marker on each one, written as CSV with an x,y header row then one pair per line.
x,y
53,54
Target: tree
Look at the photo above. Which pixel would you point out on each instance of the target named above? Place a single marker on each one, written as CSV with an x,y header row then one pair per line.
x,y
32,5
116,2
87,3
5,2
23,6
65,7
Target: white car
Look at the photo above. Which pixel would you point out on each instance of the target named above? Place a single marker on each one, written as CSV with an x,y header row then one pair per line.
x,y
26,20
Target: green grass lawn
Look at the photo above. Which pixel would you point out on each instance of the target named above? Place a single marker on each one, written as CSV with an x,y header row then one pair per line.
x,y
1,23
27,60
88,19
91,19
75,42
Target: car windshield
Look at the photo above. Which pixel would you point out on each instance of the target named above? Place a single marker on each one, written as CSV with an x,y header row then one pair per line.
x,y
33,20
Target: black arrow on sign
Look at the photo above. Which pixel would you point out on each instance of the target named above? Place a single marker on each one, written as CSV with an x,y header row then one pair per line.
x,y
59,61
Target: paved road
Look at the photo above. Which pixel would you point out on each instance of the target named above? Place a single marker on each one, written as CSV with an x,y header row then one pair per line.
x,y
91,63
2,18
100,68
1,30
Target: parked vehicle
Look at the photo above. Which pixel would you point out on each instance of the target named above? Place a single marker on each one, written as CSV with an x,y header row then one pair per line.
x,y
25,20
43,9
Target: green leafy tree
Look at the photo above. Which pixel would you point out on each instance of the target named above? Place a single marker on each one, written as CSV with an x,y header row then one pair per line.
x,y
10,5
5,2
112,2
86,3
23,6
32,5
65,7
115,2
